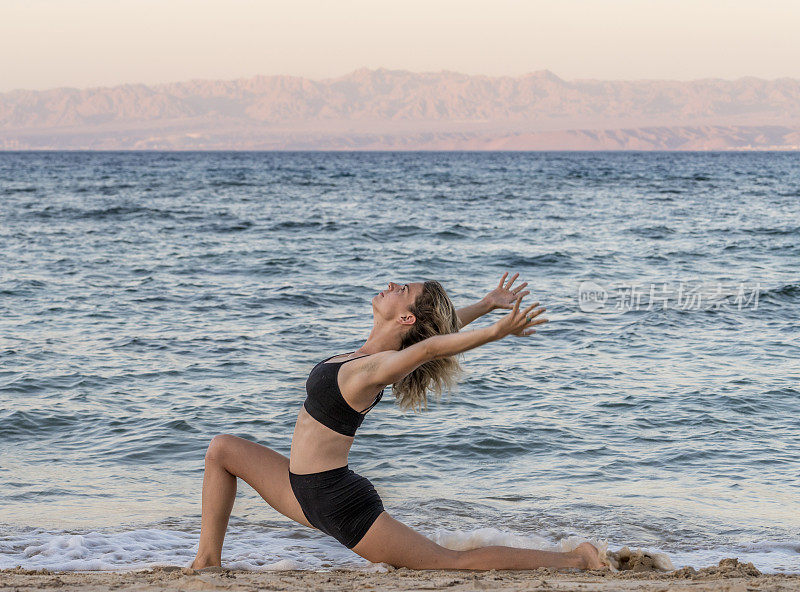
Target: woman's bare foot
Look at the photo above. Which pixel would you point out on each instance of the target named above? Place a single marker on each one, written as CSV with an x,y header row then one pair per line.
x,y
200,563
590,556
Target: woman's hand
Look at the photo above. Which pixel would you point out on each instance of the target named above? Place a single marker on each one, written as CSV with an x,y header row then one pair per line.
x,y
518,322
503,296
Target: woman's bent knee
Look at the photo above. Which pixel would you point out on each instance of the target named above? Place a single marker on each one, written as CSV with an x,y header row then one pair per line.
x,y
218,448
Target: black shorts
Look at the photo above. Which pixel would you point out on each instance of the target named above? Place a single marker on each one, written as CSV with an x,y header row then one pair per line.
x,y
339,502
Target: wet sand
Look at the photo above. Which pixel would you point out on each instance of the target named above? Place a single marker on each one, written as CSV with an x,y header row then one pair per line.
x,y
728,576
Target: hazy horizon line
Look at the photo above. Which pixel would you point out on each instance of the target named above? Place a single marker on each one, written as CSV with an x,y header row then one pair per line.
x,y
399,70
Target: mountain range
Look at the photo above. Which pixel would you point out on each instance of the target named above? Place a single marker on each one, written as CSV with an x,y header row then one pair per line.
x,y
382,109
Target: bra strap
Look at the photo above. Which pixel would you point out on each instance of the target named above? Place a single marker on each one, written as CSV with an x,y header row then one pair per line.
x,y
350,360
375,402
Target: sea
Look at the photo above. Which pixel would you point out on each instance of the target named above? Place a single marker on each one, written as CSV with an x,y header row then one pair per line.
x,y
152,300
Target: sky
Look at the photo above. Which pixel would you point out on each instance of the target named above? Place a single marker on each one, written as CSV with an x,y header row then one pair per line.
x,y
85,43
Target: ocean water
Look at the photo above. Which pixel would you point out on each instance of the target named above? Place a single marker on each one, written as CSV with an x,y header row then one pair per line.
x,y
149,301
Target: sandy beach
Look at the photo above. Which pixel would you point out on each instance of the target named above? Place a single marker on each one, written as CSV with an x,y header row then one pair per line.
x,y
729,575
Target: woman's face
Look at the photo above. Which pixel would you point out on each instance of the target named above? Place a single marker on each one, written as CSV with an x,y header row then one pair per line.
x,y
395,300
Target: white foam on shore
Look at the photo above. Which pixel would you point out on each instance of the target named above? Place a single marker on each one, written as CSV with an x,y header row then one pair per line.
x,y
767,556
285,549
149,547
481,537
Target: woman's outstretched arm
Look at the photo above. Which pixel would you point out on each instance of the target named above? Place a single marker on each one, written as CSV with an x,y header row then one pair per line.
x,y
469,313
389,367
501,297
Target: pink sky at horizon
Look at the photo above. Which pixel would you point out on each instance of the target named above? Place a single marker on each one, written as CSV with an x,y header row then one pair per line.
x,y
85,43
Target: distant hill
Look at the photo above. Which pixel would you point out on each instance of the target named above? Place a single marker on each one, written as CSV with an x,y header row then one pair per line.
x,y
396,109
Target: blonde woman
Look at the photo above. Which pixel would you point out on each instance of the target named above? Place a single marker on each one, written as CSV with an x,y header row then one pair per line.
x,y
412,346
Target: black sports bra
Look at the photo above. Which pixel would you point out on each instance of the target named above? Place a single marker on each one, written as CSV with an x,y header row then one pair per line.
x,y
325,403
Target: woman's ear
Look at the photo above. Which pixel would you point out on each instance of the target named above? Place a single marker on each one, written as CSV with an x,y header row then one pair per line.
x,y
408,319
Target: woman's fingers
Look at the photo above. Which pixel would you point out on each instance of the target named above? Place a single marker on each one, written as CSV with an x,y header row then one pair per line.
x,y
528,318
520,322
509,304
511,281
518,288
531,307
502,280
535,313
526,329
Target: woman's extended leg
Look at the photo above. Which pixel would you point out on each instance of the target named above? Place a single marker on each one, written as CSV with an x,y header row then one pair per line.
x,y
392,542
265,470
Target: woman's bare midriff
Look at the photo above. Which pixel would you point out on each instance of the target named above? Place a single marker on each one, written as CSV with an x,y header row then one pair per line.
x,y
316,447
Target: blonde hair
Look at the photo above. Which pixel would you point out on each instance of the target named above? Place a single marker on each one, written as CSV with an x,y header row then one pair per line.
x,y
435,315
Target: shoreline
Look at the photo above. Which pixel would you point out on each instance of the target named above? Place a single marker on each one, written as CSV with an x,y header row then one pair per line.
x,y
729,575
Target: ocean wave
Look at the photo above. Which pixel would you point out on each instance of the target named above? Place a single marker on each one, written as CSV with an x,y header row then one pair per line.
x,y
22,287
231,183
19,424
772,230
518,261
227,227
61,213
657,232
297,225
781,293
25,189
455,231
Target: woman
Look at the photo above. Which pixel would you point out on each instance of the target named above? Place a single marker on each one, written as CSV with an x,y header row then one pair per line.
x,y
414,339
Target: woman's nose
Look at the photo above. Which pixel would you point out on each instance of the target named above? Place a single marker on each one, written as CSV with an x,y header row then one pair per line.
x,y
392,285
